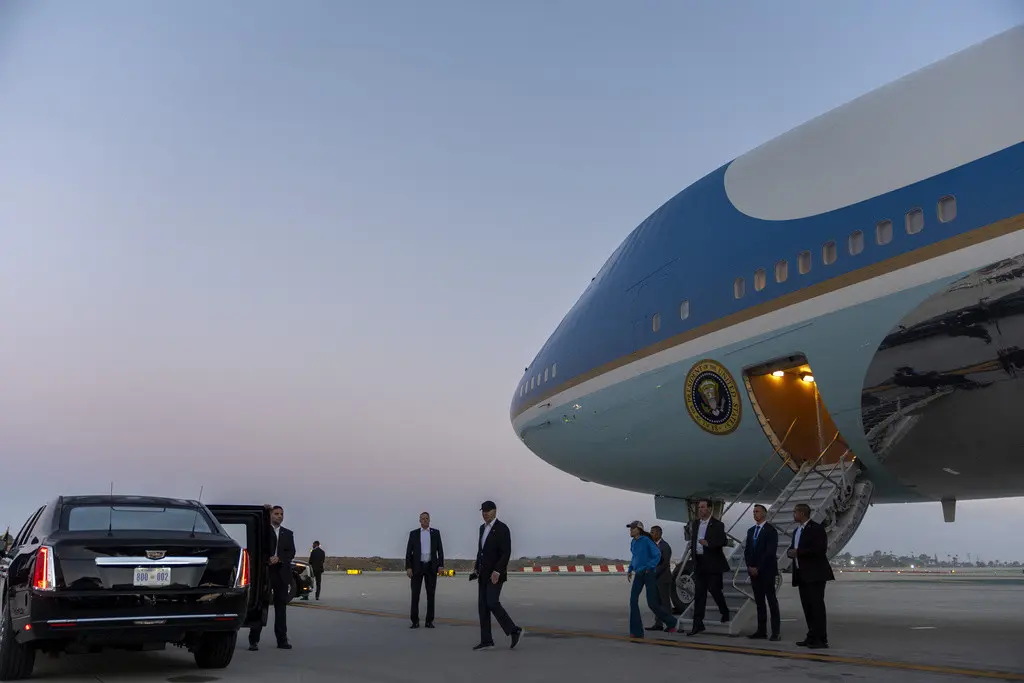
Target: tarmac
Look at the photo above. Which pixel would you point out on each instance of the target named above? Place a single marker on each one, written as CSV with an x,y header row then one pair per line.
x,y
882,627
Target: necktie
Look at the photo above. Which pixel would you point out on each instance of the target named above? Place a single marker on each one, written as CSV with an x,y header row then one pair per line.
x,y
757,530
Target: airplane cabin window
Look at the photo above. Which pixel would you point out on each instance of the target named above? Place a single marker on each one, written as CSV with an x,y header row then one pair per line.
x,y
804,262
738,288
656,322
760,279
883,232
915,221
782,271
828,253
531,382
856,242
947,209
554,370
684,310
545,374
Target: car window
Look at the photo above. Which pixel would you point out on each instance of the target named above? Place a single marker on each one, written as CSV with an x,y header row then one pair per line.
x,y
134,518
27,527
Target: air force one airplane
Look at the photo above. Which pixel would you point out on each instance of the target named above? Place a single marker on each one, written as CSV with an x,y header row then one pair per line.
x,y
834,318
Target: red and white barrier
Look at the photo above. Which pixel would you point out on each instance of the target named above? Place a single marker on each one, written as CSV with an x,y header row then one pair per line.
x,y
579,569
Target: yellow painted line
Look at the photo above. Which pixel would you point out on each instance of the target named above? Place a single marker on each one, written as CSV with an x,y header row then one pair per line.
x,y
712,647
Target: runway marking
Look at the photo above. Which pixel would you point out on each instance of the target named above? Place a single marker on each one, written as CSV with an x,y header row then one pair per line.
x,y
712,647
922,628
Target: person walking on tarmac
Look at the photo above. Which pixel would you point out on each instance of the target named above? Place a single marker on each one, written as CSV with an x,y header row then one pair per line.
x,y
663,576
644,563
707,547
317,556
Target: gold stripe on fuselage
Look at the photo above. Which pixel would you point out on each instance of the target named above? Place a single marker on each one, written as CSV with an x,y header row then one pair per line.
x,y
911,258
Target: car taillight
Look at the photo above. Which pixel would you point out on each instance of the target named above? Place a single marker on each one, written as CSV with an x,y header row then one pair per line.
x,y
242,574
43,577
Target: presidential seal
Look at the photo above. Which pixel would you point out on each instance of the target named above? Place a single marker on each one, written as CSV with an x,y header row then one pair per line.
x,y
712,398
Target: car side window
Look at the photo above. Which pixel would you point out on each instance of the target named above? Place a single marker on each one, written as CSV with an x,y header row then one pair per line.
x,y
27,528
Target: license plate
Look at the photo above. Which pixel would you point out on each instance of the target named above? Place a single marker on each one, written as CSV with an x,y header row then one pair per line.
x,y
151,577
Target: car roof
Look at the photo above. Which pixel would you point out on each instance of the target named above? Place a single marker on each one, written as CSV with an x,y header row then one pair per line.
x,y
106,499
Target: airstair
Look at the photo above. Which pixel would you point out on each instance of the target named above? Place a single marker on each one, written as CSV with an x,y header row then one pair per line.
x,y
838,501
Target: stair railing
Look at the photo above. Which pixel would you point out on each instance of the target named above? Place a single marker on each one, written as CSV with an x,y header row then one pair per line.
x,y
799,479
793,486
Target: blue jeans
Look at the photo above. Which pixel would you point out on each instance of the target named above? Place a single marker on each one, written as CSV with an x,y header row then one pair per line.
x,y
648,580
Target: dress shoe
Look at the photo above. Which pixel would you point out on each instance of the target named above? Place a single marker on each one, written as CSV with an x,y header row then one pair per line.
x,y
758,636
697,628
414,625
483,646
253,647
817,645
803,643
726,617
776,638
430,624
284,646
516,635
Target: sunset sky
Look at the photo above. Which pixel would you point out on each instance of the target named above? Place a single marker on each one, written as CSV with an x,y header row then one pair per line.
x,y
300,252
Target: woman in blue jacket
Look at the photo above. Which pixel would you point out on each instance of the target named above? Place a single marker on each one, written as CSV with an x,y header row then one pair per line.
x,y
646,556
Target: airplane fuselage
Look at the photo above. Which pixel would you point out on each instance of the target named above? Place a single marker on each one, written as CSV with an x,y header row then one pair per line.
x,y
854,286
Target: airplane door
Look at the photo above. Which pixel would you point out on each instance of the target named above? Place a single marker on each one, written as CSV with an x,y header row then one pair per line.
x,y
249,525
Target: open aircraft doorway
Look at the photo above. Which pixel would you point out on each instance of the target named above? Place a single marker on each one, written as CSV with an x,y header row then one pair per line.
x,y
785,398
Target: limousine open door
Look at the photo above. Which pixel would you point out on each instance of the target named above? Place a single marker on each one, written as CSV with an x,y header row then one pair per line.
x,y
249,525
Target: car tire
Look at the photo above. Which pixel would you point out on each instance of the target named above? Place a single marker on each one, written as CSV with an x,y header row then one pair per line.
x,y
16,659
215,650
293,588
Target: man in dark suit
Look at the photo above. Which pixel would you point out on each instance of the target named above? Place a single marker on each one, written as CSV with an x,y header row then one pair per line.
x,y
811,571
317,557
424,559
760,553
663,577
494,549
281,542
707,547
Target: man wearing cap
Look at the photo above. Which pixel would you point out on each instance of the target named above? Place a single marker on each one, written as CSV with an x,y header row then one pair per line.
x,y
644,562
494,549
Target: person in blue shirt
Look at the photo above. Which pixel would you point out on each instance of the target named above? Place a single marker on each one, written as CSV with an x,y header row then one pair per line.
x,y
646,557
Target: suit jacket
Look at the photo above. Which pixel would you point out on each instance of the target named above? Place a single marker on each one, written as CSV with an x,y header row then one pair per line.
x,y
285,542
764,554
713,561
662,570
413,552
814,565
494,554
316,559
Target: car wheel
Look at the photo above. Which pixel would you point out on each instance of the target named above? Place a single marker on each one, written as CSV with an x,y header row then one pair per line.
x,y
293,589
16,659
215,650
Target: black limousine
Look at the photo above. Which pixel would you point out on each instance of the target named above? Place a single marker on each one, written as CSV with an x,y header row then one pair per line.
x,y
86,573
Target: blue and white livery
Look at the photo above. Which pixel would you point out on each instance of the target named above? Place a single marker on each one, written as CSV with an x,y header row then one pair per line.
x,y
854,285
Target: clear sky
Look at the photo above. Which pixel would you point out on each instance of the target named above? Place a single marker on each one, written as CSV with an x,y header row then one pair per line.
x,y
301,252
